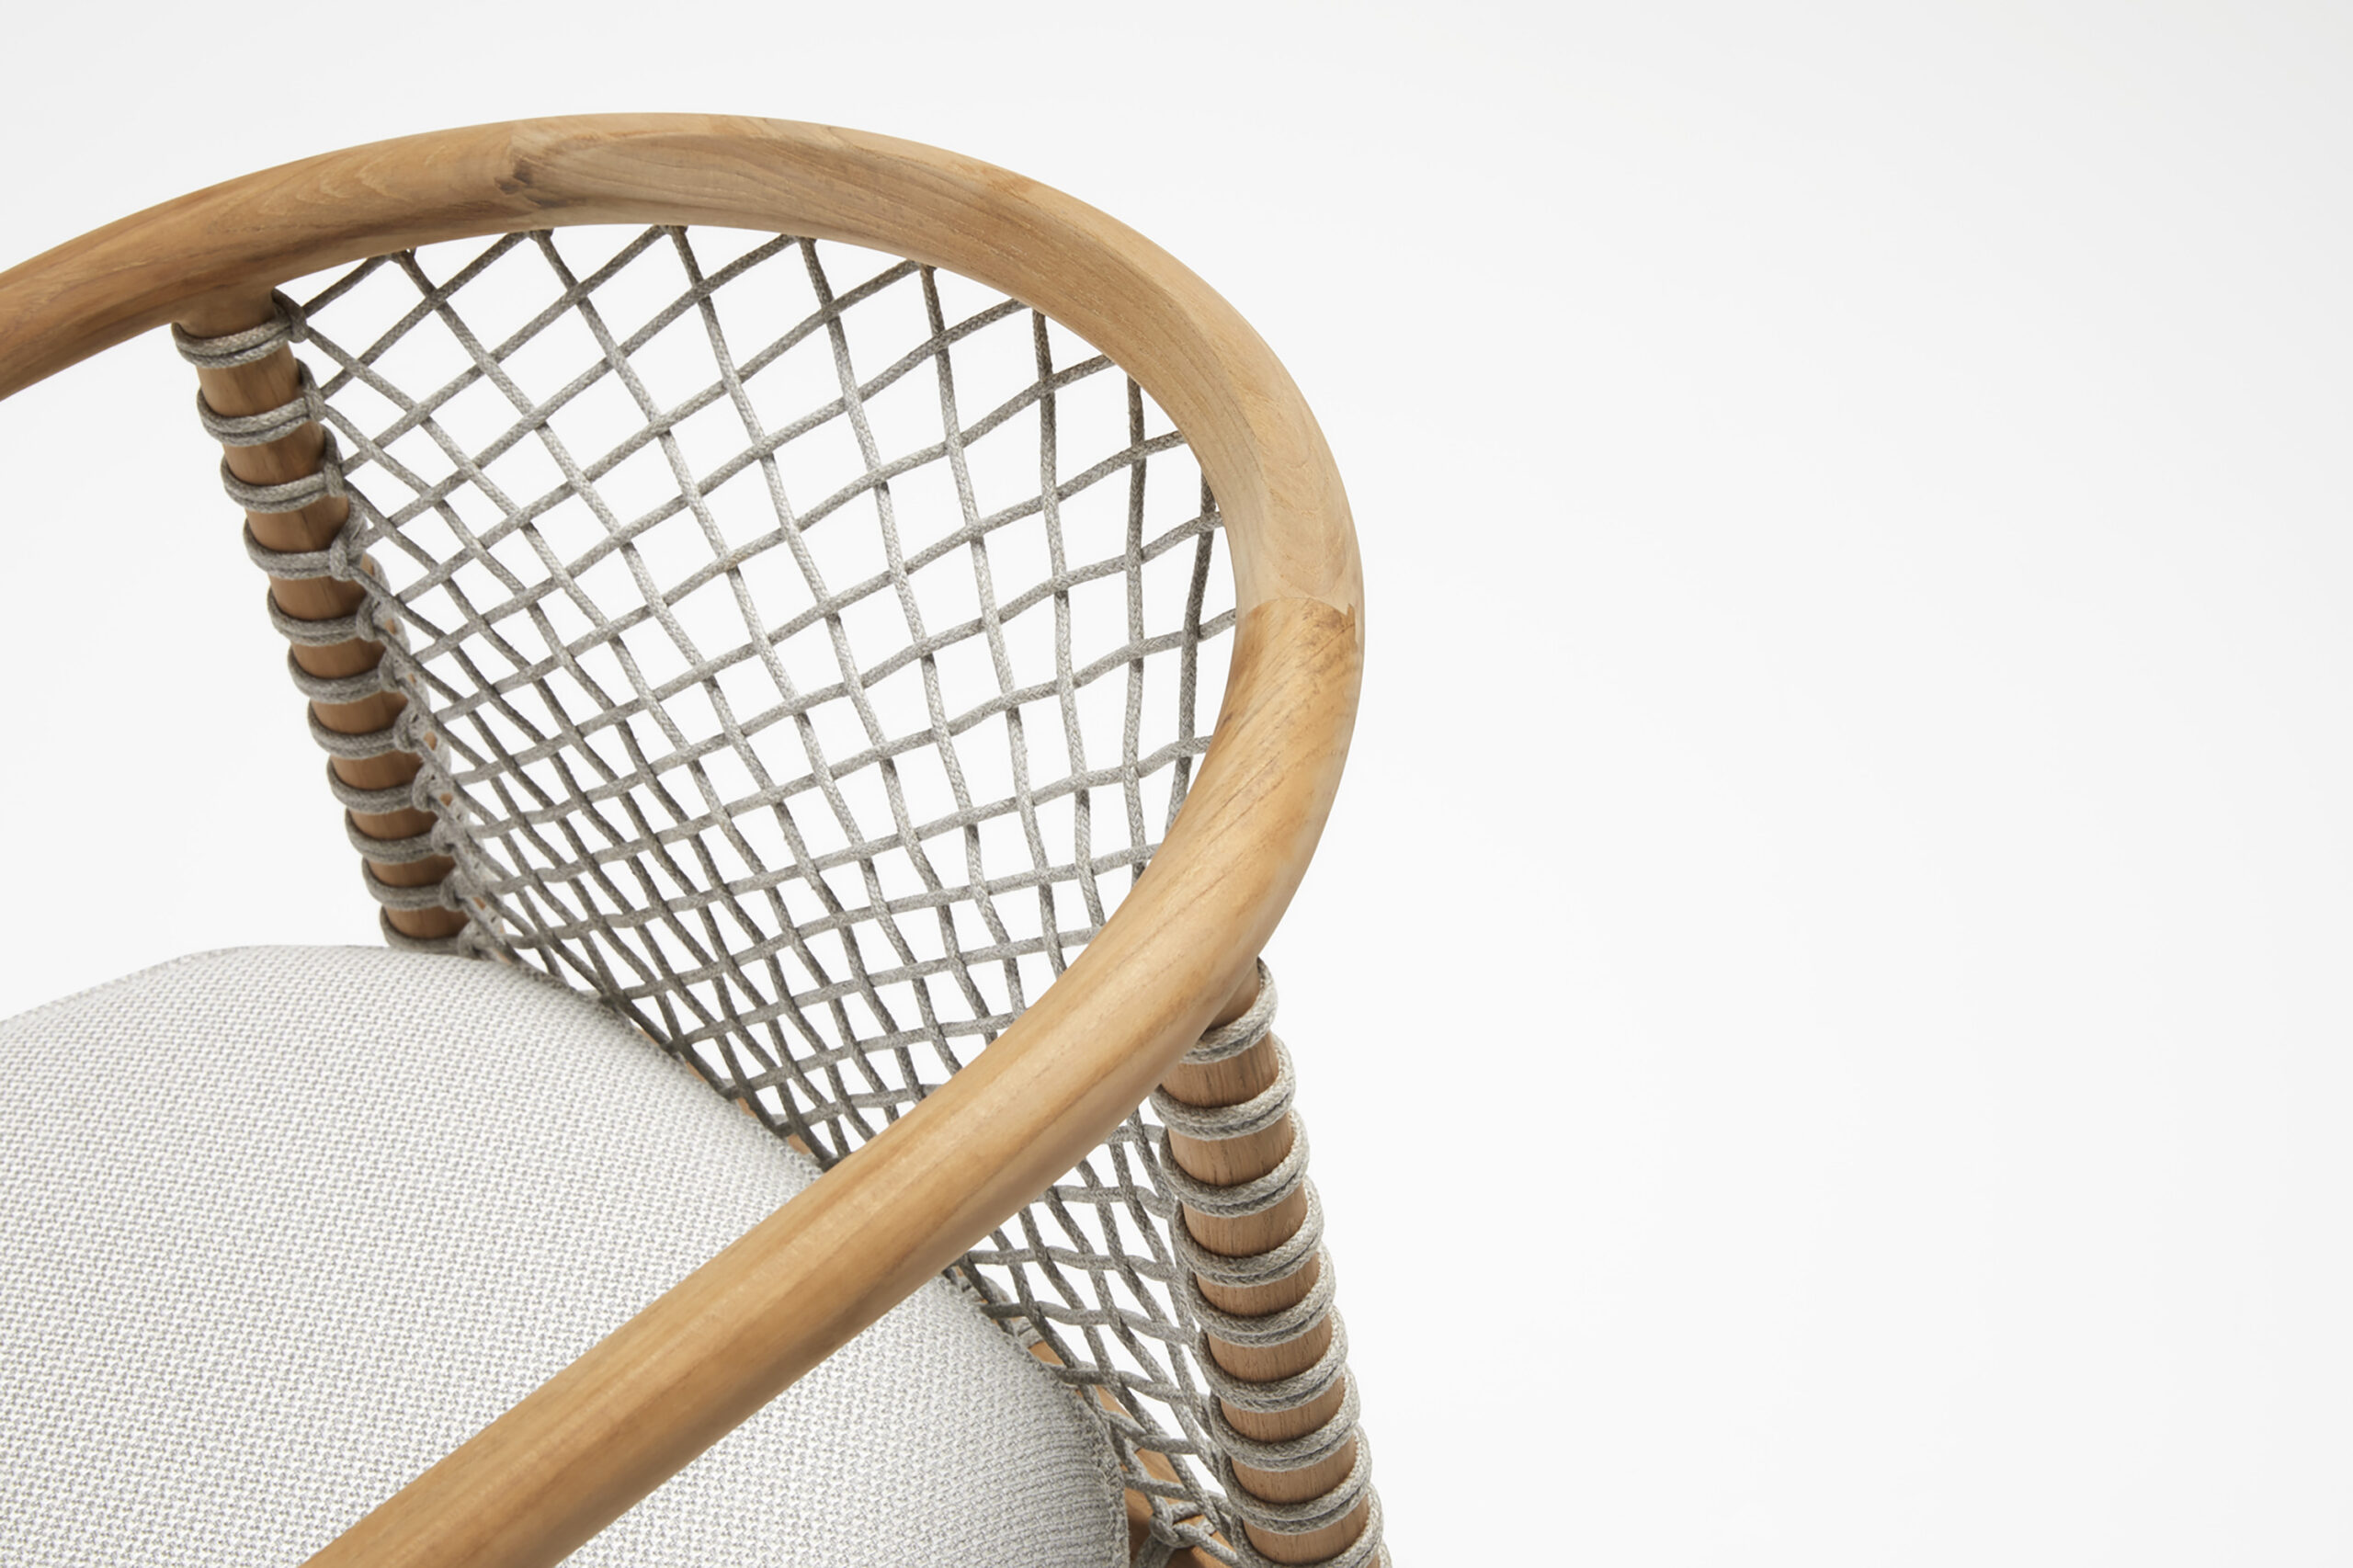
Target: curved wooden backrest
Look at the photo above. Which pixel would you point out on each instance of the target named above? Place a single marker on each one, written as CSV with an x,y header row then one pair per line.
x,y
578,1452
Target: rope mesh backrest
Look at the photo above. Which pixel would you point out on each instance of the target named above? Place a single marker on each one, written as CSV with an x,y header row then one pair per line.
x,y
806,648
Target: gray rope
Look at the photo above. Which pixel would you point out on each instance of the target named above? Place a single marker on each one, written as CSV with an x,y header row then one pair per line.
x,y
1266,1329
1368,1551
334,689
292,494
1302,1387
400,735
255,343
1290,1455
396,851
1258,1268
431,896
1243,1198
406,797
335,560
1233,1038
466,943
270,425
358,626
1218,1123
1320,1512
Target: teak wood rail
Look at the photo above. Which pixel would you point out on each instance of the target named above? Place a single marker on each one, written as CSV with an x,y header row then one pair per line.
x,y
572,1456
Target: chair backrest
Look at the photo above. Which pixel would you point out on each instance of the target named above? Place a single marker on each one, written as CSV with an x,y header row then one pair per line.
x,y
806,667
781,600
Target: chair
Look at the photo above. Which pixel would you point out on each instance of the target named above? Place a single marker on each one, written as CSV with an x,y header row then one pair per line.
x,y
755,585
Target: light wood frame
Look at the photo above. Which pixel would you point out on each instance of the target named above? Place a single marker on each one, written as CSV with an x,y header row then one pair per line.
x,y
572,1456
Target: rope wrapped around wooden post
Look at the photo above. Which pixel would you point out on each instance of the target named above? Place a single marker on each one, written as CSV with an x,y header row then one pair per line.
x,y
280,463
1296,1467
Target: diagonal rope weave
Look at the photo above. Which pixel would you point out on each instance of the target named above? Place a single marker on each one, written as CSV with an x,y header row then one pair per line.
x,y
808,682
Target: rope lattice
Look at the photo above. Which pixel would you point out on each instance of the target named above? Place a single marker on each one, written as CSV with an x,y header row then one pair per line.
x,y
809,679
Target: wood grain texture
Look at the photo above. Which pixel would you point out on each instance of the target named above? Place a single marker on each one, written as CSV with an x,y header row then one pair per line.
x,y
576,1453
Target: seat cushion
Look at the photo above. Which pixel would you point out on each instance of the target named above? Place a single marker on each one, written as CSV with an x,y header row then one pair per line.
x,y
281,1226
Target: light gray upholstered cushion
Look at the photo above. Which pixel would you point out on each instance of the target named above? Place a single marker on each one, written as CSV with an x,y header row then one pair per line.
x,y
280,1226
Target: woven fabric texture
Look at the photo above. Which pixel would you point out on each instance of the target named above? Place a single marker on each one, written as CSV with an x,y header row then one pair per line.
x,y
281,1226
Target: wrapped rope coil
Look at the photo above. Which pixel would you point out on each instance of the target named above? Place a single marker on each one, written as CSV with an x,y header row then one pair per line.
x,y
249,347
1283,1259
372,621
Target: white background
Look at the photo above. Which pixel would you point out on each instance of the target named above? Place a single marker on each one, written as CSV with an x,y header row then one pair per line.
x,y
1824,1005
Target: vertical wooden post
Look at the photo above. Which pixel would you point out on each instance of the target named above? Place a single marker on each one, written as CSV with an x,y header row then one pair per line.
x,y
1232,1161
260,386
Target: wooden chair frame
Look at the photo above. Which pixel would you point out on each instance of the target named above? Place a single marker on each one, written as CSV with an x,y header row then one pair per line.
x,y
578,1452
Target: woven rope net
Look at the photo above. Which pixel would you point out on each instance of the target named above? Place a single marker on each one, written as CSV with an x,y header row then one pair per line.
x,y
807,649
